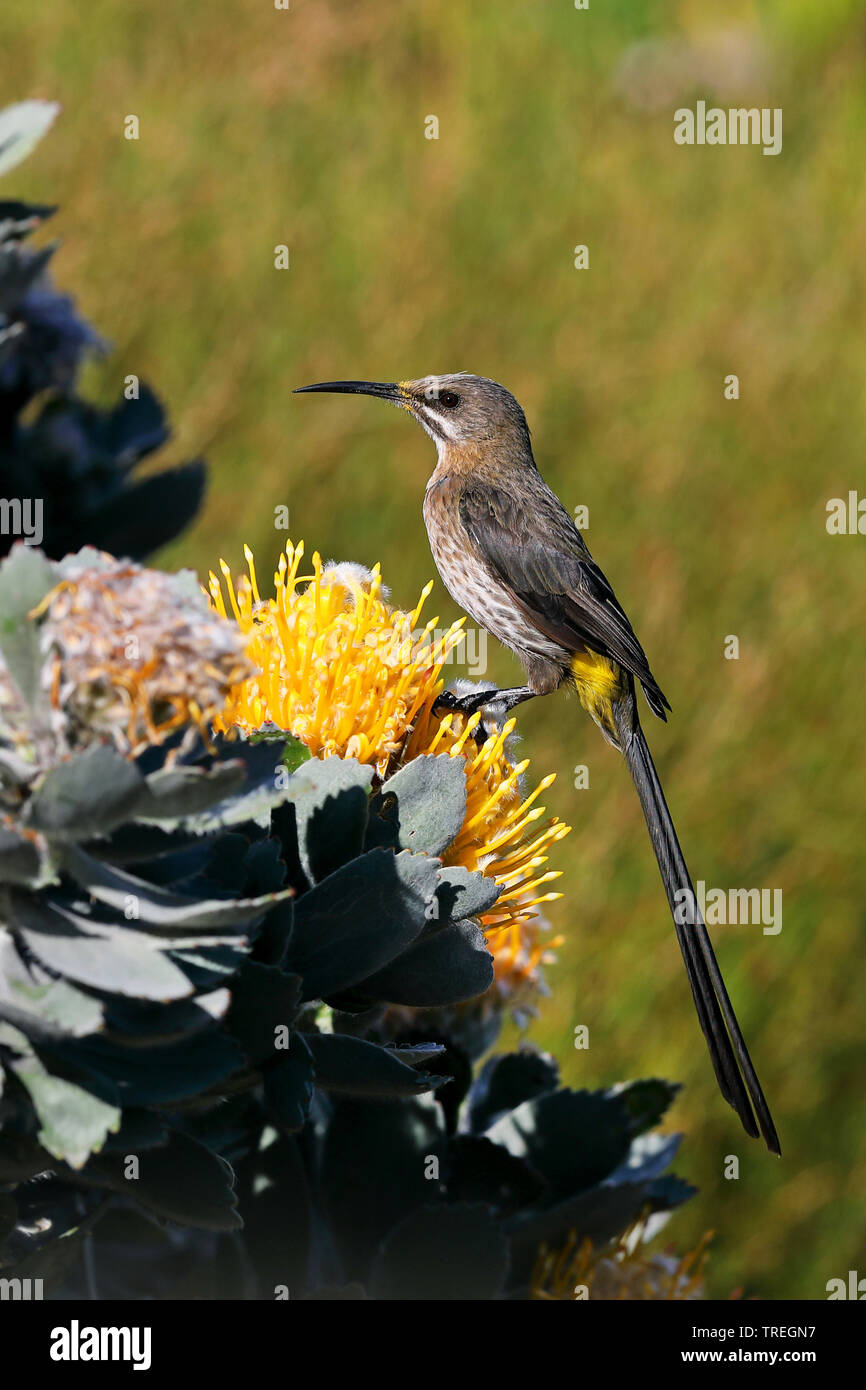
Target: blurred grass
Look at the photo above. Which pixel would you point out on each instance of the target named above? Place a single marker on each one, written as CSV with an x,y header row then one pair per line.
x,y
410,256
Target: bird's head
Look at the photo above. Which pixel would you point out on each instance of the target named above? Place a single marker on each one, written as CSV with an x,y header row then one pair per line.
x,y
466,416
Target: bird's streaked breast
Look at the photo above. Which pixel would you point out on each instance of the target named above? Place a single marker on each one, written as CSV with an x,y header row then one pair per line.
x,y
472,585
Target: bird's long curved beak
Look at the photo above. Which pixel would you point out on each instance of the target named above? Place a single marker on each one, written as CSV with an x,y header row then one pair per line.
x,y
385,390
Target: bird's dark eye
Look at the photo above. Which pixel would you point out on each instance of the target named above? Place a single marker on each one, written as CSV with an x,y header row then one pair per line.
x,y
449,398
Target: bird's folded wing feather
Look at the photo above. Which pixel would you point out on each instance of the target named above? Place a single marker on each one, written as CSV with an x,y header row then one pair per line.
x,y
540,557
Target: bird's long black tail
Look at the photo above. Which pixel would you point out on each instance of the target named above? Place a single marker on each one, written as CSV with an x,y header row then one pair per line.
x,y
731,1061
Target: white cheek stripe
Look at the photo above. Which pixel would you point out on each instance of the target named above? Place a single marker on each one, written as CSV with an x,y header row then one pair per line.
x,y
442,421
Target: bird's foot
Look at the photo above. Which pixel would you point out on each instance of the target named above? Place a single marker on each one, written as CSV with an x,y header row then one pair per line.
x,y
466,705
463,704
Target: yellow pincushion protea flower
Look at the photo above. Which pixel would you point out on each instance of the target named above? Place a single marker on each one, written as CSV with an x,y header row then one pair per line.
x,y
625,1272
340,669
350,676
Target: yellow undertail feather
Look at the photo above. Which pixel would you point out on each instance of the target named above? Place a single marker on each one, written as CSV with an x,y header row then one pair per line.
x,y
599,683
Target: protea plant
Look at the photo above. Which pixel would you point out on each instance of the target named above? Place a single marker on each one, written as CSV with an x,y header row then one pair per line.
x,y
160,943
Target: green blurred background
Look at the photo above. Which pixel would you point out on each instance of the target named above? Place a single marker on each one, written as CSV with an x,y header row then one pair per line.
x,y
411,256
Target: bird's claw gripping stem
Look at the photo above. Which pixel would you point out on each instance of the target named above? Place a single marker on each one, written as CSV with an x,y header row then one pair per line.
x,y
467,705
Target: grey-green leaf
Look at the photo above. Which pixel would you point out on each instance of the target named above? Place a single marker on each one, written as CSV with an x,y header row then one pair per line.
x,y
359,918
444,967
354,1066
163,911
73,1122
123,962
39,1004
22,860
22,126
463,894
176,792
26,576
86,796
425,802
330,798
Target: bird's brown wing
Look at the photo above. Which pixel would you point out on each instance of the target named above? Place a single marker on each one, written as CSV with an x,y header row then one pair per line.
x,y
534,549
